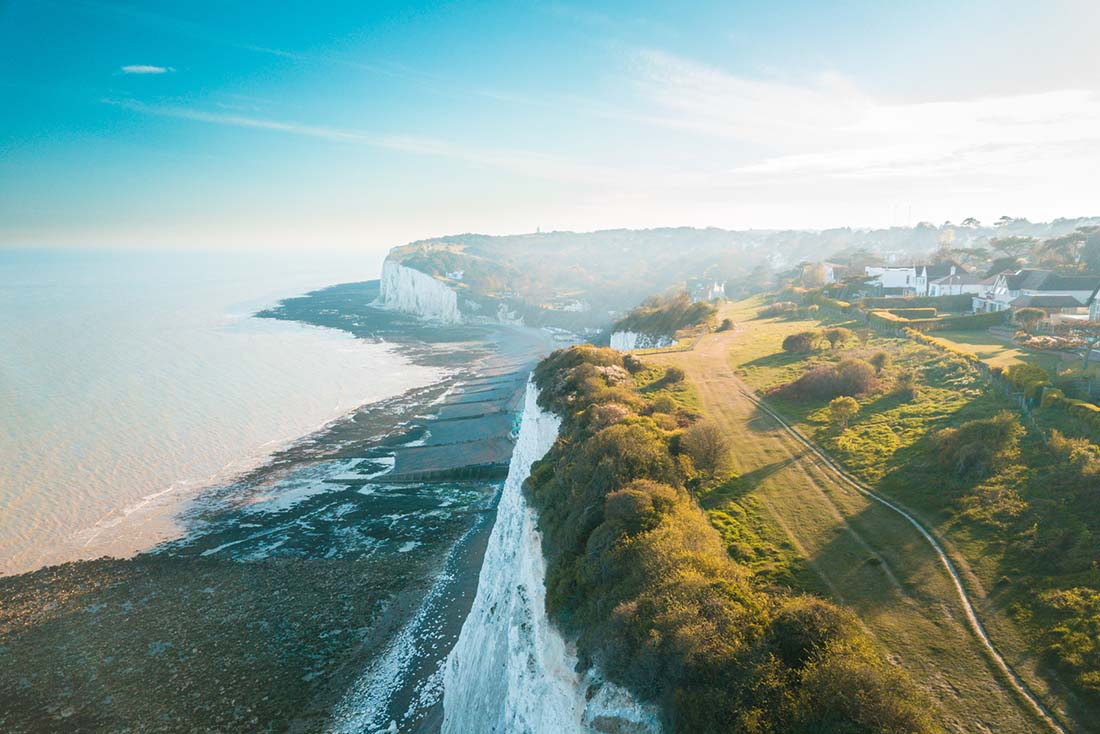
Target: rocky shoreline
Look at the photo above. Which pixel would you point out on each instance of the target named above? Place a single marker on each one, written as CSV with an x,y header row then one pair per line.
x,y
352,553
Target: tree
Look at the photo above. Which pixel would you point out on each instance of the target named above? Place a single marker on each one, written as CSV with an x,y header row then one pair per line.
x,y
1090,251
1064,251
1030,317
1013,246
842,410
1002,264
971,223
709,448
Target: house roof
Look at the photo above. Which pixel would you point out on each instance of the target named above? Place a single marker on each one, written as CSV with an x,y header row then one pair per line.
x,y
963,278
1046,280
1046,302
939,270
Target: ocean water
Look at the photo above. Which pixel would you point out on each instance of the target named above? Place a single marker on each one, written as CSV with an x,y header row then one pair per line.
x,y
130,381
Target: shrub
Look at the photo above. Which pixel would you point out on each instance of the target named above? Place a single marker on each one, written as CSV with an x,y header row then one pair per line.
x,y
726,325
880,361
709,448
842,410
979,447
907,384
850,377
638,574
1029,317
839,336
779,308
803,342
673,375
632,364
1029,379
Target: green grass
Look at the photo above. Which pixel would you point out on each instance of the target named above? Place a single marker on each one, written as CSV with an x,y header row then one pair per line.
x,y
997,352
888,445
651,383
794,523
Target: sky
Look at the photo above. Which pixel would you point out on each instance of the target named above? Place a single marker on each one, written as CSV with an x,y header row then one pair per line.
x,y
368,124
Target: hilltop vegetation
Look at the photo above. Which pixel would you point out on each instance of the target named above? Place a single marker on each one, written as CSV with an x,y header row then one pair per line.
x,y
666,315
1016,496
639,575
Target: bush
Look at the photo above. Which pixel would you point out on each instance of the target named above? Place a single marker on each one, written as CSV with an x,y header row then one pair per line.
x,y
978,447
709,448
842,410
1028,378
1029,317
839,336
674,375
907,384
803,342
632,364
638,575
880,361
726,325
850,377
779,308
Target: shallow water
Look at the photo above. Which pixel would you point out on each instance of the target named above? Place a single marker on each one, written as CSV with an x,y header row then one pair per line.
x,y
129,381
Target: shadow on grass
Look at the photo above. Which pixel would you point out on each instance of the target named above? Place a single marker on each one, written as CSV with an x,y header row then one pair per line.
x,y
737,487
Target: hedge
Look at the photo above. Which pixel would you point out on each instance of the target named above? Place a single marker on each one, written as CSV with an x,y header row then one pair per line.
x,y
1055,398
885,317
962,302
823,300
943,345
913,313
1030,379
974,321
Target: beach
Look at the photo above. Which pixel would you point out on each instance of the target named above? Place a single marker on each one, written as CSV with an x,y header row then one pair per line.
x,y
320,590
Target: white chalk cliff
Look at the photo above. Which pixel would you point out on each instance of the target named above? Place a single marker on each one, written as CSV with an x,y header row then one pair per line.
x,y
511,671
625,341
413,292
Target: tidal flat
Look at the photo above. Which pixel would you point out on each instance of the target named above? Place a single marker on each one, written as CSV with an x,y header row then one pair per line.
x,y
320,591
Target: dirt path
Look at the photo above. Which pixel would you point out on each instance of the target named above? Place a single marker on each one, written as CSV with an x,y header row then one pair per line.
x,y
871,556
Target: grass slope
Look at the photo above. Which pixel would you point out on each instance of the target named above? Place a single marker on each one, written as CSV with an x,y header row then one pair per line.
x,y
828,538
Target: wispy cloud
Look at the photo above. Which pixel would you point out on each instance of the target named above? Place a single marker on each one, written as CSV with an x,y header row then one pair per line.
x,y
145,69
526,163
828,126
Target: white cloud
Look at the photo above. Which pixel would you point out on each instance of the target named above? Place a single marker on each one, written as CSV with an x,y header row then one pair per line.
x,y
145,69
829,127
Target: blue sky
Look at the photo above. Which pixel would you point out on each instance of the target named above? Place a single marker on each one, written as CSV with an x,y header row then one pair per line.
x,y
368,124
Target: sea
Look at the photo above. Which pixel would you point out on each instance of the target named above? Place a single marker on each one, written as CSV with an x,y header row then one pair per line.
x,y
132,380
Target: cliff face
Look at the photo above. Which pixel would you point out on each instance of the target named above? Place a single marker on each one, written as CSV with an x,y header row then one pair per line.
x,y
511,670
411,291
625,341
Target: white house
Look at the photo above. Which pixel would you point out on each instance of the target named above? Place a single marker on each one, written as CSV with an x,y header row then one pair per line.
x,y
912,280
832,272
1038,288
894,280
957,284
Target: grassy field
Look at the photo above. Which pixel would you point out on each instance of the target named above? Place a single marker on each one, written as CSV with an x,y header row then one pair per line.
x,y
997,352
808,530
